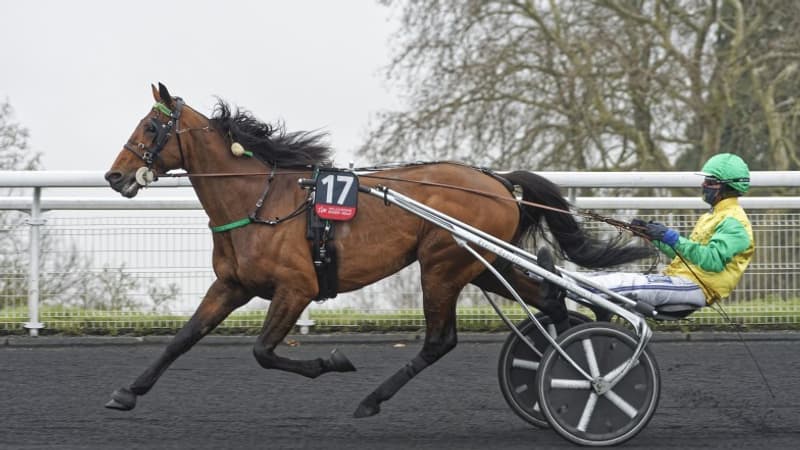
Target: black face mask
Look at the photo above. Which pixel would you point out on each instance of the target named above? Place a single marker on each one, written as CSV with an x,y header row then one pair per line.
x,y
711,194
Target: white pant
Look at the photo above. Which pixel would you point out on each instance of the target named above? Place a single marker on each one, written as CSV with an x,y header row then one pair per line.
x,y
654,289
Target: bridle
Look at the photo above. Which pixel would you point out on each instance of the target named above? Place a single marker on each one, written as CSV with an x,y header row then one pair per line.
x,y
163,131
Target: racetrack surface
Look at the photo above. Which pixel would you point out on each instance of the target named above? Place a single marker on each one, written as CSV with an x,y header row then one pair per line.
x,y
216,396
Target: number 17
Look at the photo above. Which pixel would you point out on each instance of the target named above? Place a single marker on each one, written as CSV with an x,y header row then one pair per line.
x,y
329,187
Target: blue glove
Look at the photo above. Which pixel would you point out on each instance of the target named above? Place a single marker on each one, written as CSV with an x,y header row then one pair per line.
x,y
660,232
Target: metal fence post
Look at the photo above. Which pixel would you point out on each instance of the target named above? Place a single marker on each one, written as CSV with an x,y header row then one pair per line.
x,y
35,223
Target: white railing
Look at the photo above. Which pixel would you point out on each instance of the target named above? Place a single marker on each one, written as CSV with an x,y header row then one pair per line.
x,y
29,186
113,201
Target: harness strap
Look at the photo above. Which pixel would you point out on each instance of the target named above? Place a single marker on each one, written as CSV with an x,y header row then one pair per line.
x,y
233,225
253,219
504,181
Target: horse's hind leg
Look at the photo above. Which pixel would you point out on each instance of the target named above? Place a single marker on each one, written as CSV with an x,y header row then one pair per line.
x,y
220,300
529,290
440,338
283,313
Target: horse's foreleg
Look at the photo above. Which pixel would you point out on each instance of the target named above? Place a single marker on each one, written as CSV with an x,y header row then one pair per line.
x,y
283,313
440,338
220,300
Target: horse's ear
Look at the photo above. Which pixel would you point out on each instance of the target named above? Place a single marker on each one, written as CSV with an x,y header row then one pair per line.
x,y
164,93
156,95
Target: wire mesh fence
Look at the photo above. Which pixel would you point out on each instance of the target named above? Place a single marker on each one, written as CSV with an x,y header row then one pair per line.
x,y
147,271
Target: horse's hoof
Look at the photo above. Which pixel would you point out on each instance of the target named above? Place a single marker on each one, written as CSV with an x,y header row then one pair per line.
x,y
367,408
340,363
122,399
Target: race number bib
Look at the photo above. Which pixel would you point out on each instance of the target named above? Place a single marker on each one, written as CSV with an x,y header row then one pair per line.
x,y
336,195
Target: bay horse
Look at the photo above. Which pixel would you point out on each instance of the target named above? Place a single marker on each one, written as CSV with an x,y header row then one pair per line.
x,y
273,260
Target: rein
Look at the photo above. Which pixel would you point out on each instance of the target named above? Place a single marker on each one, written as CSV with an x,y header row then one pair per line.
x,y
636,230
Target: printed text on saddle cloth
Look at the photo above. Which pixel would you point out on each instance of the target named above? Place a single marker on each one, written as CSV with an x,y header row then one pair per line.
x,y
336,195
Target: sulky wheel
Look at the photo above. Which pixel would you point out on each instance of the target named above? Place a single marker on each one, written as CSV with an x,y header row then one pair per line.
x,y
518,363
570,402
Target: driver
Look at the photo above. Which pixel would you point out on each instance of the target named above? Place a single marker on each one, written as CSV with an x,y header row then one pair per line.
x,y
707,265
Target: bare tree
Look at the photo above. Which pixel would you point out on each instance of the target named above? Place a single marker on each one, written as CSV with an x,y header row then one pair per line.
x,y
162,295
14,155
601,84
14,152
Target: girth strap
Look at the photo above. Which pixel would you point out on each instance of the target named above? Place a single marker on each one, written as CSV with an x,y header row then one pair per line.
x,y
323,255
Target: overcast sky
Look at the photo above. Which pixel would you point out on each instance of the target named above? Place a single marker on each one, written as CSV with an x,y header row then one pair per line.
x,y
78,72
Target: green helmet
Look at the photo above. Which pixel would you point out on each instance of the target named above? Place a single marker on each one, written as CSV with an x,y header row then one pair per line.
x,y
729,169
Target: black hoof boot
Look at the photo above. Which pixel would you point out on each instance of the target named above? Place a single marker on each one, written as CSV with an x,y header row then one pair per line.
x,y
552,295
122,399
368,407
340,363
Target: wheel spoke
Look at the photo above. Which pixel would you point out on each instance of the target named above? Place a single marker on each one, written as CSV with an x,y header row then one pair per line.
x,y
560,383
525,364
620,403
591,360
614,373
588,410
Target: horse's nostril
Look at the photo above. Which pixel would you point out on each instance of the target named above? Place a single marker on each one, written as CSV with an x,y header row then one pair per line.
x,y
113,176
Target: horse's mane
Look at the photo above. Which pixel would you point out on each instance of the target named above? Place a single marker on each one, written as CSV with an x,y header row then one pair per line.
x,y
271,142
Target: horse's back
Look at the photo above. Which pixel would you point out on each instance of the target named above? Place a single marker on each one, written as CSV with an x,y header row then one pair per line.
x,y
463,192
383,239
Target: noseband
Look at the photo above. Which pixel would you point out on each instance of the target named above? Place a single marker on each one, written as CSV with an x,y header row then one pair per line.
x,y
162,131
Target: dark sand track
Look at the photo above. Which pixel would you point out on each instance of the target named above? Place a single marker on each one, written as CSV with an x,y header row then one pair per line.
x,y
216,396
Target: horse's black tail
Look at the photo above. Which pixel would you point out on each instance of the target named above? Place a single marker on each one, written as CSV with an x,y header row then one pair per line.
x,y
576,245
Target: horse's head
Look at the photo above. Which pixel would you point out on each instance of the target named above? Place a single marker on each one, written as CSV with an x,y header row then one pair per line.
x,y
153,148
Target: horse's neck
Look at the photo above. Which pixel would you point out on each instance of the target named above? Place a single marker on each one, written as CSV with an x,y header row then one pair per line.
x,y
224,198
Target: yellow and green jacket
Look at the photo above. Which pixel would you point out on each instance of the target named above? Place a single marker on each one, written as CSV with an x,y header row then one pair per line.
x,y
718,250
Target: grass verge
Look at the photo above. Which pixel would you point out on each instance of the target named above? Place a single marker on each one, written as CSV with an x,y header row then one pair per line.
x,y
766,314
